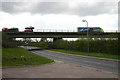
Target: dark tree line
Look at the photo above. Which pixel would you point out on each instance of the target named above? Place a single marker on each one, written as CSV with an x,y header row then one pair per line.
x,y
98,46
9,42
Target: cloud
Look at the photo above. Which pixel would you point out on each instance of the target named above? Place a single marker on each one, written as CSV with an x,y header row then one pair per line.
x,y
59,15
57,22
70,8
17,7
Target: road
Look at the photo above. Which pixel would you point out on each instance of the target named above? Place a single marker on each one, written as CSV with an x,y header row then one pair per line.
x,y
105,65
65,66
100,64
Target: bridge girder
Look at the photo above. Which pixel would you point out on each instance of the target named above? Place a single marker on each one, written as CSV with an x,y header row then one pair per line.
x,y
61,35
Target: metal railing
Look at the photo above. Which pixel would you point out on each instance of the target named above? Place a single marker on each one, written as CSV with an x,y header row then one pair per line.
x,y
61,30
111,30
50,30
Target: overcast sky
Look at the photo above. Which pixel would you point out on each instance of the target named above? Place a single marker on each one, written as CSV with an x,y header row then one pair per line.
x,y
66,15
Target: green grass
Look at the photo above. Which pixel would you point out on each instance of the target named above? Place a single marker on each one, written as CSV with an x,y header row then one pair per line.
x,y
101,55
11,57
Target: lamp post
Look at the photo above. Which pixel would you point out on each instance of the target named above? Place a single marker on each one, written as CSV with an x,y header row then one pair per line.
x,y
87,34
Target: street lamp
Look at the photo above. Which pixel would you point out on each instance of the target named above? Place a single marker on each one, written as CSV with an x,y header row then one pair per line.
x,y
87,34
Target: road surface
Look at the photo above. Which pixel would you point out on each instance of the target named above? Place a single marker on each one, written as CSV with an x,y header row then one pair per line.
x,y
65,66
100,64
105,65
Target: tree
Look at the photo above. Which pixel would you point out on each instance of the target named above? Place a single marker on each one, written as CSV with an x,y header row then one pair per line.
x,y
8,42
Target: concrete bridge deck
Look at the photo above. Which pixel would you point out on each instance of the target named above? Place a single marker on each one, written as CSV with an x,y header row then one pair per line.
x,y
62,34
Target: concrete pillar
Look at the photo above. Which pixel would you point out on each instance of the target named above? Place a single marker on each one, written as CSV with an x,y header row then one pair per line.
x,y
54,39
24,39
43,39
14,38
11,38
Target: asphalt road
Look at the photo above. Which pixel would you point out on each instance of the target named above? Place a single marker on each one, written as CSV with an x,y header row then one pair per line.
x,y
100,64
104,65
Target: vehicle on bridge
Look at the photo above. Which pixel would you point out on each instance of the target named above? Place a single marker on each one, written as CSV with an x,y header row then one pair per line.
x,y
14,30
29,29
10,30
89,29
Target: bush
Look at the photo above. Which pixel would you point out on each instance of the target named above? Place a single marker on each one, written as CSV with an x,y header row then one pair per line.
x,y
61,44
80,45
42,45
97,46
8,42
112,46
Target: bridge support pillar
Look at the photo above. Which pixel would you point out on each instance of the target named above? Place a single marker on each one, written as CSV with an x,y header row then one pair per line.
x,y
12,38
54,39
43,39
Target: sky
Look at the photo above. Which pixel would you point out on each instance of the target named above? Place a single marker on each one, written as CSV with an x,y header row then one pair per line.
x,y
59,14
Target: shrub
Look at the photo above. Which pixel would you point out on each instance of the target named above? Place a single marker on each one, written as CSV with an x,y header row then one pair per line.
x,y
80,45
8,42
42,45
112,46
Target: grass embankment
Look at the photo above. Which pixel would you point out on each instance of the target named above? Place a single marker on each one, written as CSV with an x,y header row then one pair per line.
x,y
100,55
20,57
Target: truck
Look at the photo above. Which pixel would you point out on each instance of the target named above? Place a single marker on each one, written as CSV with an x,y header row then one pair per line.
x,y
29,29
10,30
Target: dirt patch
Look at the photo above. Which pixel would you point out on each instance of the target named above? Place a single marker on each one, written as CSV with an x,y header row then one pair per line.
x,y
56,70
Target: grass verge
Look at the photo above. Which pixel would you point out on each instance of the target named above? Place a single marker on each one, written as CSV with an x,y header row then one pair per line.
x,y
12,57
100,55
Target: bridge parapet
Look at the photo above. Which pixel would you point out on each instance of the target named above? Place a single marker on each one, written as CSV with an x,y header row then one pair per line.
x,y
64,30
61,34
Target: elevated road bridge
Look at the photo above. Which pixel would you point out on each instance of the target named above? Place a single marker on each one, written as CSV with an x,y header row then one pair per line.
x,y
63,34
